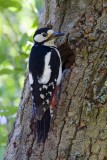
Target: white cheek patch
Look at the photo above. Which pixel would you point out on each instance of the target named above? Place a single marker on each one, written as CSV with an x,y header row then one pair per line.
x,y
39,38
30,78
50,32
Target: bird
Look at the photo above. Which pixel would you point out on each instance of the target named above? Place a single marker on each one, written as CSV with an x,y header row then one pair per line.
x,y
45,72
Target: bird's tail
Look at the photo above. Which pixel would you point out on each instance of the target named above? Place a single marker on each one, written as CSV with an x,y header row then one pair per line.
x,y
43,126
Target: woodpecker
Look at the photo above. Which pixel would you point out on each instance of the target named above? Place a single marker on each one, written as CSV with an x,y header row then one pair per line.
x,y
45,71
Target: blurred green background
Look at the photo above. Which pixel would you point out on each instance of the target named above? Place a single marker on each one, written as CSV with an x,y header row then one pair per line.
x,y
18,22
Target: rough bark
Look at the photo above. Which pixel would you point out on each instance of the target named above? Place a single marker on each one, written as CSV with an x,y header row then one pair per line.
x,y
79,128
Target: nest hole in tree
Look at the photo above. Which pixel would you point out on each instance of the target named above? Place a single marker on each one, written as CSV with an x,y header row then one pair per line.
x,y
67,56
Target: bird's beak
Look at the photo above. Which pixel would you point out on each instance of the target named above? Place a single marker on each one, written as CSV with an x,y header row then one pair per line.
x,y
57,34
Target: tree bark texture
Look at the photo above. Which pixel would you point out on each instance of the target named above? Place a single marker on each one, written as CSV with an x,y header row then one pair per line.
x,y
79,127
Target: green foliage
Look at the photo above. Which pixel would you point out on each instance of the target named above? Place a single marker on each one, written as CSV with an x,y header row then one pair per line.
x,y
8,110
18,21
39,4
10,4
2,151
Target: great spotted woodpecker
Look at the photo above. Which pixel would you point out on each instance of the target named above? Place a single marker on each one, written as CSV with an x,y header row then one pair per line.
x,y
45,71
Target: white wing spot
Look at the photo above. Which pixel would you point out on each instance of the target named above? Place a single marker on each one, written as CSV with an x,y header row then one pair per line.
x,y
40,89
51,112
30,78
42,96
50,93
44,109
45,87
52,84
47,101
43,103
31,88
44,79
34,108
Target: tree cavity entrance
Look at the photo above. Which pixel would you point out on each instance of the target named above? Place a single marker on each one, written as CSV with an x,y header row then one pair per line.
x,y
67,56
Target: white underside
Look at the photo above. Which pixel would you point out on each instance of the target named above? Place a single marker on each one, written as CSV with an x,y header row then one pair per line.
x,y
50,43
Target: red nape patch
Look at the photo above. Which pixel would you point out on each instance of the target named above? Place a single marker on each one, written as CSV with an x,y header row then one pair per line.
x,y
54,97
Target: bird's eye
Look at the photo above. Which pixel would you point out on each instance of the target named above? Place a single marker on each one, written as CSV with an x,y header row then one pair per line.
x,y
44,34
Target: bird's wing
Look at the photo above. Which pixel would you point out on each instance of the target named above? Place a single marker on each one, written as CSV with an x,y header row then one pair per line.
x,y
42,86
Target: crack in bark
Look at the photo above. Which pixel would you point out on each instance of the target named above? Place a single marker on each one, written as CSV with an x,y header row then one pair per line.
x,y
63,16
47,11
70,147
64,121
62,129
29,151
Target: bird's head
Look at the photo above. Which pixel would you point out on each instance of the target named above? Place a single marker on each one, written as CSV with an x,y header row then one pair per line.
x,y
46,36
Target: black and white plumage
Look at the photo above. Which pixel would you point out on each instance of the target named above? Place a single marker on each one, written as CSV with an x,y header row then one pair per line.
x,y
45,71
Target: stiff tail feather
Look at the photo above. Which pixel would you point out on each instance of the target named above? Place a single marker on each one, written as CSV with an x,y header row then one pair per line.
x,y
43,126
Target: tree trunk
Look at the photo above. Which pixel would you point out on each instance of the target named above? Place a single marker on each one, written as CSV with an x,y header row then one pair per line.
x,y
79,127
